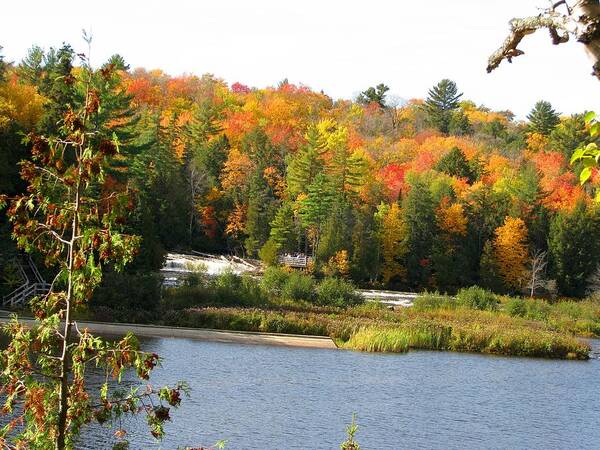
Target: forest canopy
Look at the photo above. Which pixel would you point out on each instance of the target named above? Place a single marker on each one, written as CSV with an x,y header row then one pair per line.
x,y
434,193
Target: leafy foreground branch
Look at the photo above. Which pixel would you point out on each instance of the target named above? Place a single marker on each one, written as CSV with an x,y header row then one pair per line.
x,y
70,216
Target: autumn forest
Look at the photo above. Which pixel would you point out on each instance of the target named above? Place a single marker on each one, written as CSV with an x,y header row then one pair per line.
x,y
426,194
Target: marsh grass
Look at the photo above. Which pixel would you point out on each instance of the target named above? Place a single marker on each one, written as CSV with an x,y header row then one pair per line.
x,y
473,321
379,330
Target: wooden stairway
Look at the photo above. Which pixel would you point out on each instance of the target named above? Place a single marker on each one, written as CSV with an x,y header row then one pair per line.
x,y
33,284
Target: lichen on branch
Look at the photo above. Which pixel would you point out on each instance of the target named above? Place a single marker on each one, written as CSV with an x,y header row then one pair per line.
x,y
580,20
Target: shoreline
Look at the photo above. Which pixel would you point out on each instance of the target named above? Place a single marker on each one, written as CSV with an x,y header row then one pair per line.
x,y
203,334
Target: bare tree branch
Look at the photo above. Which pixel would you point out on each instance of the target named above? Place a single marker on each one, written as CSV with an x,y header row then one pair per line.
x,y
580,20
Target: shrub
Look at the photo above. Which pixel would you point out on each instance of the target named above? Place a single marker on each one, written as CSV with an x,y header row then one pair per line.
x,y
273,280
269,253
528,309
126,291
233,289
299,287
433,300
477,298
337,292
516,307
187,297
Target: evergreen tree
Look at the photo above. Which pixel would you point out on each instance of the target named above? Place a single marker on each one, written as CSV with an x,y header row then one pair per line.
x,y
419,217
455,163
161,194
283,228
347,171
543,118
203,157
304,167
117,62
459,124
489,275
374,95
2,65
568,135
441,103
315,207
58,86
117,117
31,68
573,254
336,234
365,260
261,211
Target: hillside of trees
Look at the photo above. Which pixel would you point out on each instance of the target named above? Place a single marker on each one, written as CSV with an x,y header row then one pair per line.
x,y
435,194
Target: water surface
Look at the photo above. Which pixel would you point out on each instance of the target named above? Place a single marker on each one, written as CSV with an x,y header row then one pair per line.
x,y
261,397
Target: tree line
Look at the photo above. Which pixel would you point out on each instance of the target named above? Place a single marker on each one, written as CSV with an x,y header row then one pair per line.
x,y
437,193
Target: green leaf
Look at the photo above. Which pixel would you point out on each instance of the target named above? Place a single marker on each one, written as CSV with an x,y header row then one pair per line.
x,y
589,116
595,129
585,174
104,391
577,154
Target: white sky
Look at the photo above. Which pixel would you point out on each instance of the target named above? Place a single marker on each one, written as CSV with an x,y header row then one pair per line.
x,y
340,46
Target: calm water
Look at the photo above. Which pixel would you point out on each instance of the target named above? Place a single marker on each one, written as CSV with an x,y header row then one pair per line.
x,y
260,397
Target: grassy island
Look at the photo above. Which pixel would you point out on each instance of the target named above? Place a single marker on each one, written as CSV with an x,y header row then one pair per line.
x,y
475,320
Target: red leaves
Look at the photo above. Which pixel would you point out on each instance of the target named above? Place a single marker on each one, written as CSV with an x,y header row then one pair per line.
x,y
93,102
393,178
238,88
34,401
107,148
72,121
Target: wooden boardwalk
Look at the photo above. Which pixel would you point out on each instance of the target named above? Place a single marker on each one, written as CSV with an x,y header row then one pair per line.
x,y
300,261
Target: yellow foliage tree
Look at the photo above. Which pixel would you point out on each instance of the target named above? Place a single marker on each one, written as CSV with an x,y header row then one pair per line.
x,y
393,234
338,265
511,251
20,103
537,142
451,218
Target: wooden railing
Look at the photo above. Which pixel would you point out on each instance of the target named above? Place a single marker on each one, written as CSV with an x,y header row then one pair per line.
x,y
294,261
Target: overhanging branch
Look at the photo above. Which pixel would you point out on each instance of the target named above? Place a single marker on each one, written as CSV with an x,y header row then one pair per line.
x,y
579,19
519,28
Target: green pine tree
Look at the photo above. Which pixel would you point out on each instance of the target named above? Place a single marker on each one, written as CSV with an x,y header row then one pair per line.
x,y
2,65
304,167
283,228
568,135
441,103
374,95
543,118
488,270
315,208
455,163
574,252
419,216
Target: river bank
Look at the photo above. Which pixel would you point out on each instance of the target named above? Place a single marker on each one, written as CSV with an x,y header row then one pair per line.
x,y
239,337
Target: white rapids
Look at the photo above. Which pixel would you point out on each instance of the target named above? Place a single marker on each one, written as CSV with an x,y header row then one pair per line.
x,y
178,265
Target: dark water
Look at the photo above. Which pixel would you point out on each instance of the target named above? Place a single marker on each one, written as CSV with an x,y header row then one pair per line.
x,y
260,397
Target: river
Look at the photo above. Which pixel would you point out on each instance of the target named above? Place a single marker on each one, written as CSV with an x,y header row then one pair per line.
x,y
262,397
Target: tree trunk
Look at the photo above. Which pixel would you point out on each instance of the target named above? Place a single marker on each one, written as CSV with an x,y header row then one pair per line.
x,y
587,15
65,368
